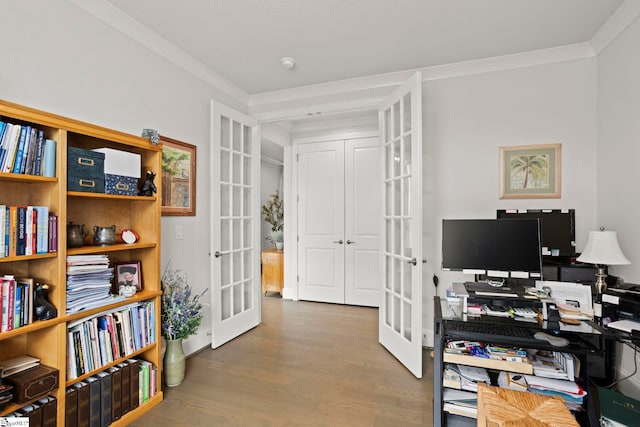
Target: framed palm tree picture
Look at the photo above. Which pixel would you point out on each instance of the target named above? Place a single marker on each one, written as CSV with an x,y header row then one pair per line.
x,y
530,171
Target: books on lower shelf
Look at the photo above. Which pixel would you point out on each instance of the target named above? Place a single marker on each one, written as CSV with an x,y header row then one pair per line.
x,y
106,337
110,394
16,302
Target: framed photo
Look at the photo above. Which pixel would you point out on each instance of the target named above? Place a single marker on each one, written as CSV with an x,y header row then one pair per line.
x,y
530,171
178,178
127,274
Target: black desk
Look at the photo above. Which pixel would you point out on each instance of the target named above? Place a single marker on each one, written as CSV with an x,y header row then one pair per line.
x,y
587,339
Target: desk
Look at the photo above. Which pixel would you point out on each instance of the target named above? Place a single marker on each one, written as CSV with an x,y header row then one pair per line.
x,y
272,270
588,339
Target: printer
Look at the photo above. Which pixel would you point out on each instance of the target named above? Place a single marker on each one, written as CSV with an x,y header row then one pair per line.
x,y
621,302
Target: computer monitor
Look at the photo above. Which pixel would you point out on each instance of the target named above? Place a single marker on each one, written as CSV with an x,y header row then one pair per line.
x,y
557,227
498,248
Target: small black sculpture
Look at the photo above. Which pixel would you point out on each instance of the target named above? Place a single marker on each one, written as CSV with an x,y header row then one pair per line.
x,y
148,187
42,308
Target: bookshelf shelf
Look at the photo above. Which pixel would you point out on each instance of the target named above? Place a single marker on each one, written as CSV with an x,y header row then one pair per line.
x,y
47,340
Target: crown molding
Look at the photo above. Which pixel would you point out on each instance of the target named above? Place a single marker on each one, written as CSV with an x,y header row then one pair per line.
x,y
615,25
111,15
367,92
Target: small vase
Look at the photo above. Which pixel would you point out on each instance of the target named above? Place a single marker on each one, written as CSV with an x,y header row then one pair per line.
x,y
173,363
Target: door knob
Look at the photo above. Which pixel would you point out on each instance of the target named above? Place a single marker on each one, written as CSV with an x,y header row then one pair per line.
x,y
218,254
349,242
413,261
338,241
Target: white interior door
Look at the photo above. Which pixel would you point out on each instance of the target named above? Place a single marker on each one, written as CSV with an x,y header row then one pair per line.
x,y
362,222
235,223
321,222
400,330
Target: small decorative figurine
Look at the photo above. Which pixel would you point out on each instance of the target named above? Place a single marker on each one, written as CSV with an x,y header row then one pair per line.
x,y
148,187
42,308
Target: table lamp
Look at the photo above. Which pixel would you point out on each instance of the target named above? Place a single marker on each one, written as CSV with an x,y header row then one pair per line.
x,y
602,250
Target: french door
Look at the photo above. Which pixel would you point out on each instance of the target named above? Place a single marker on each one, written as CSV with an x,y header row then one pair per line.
x,y
400,314
235,223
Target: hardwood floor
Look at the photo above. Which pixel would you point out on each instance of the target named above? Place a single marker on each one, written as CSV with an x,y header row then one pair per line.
x,y
307,364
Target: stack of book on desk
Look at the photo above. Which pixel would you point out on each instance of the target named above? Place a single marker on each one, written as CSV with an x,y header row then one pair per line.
x,y
570,391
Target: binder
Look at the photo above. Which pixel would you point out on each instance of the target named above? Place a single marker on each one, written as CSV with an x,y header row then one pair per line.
x,y
83,403
116,392
135,383
94,401
34,413
49,406
125,369
105,398
71,408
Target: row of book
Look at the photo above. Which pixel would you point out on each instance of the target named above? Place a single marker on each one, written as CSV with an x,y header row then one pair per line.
x,y
25,150
27,230
42,413
109,336
16,302
105,397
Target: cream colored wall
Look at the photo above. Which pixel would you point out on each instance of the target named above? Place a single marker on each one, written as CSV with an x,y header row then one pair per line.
x,y
618,174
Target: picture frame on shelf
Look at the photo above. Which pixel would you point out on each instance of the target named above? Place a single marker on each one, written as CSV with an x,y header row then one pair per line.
x,y
178,178
127,276
530,171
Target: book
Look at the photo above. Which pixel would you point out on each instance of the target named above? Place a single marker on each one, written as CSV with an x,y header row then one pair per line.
x,y
134,395
49,406
37,169
49,158
116,392
3,217
42,229
105,398
31,152
94,401
82,389
17,163
71,407
125,378
21,235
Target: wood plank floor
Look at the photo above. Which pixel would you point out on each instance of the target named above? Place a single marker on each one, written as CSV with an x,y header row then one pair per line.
x,y
307,364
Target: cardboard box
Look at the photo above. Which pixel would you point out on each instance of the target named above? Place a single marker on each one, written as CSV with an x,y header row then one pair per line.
x,y
118,162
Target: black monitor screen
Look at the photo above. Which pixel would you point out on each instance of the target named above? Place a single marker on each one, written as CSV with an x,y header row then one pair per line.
x,y
557,228
507,245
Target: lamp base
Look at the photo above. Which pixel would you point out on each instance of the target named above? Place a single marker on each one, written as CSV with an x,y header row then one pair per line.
x,y
601,284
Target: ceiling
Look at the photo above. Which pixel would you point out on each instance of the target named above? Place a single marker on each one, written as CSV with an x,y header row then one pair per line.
x,y
243,40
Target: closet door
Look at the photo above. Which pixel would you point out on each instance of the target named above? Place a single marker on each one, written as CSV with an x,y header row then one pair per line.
x,y
362,222
321,222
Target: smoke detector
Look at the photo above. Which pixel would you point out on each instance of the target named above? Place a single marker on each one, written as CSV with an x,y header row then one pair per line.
x,y
288,63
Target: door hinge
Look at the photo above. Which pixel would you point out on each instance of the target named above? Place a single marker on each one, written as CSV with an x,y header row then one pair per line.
x,y
298,279
298,238
297,157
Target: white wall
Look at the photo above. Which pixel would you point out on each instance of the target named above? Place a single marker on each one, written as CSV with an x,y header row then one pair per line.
x,y
58,58
467,119
618,153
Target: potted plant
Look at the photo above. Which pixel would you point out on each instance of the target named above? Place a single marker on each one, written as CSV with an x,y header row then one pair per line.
x,y
181,317
273,214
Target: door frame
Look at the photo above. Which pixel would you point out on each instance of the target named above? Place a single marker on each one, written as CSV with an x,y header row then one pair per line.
x,y
291,209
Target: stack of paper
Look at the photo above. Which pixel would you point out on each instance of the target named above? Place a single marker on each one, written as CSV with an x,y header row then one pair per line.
x,y
571,392
89,280
552,364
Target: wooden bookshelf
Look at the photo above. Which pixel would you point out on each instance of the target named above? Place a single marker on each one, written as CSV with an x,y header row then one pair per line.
x,y
47,340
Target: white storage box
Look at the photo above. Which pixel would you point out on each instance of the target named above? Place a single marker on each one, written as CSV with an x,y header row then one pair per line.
x,y
118,162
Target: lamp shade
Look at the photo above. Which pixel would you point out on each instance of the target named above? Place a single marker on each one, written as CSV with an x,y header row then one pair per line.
x,y
603,248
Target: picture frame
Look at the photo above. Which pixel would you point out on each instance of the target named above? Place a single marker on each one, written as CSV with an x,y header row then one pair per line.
x,y
178,178
127,273
530,171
